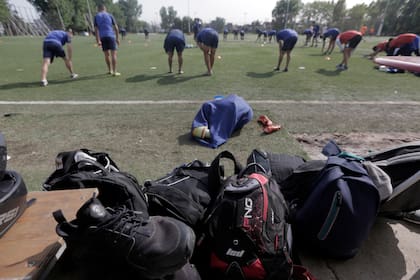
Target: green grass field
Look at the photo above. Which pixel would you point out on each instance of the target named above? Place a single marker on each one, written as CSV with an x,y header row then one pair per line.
x,y
148,140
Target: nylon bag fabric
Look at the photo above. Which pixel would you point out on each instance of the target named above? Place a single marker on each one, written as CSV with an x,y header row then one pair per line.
x,y
339,210
402,165
87,169
188,190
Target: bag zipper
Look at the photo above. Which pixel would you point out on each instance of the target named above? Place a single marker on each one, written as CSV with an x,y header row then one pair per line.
x,y
331,217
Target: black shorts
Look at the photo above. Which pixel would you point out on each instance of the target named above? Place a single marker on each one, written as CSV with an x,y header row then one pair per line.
x,y
52,49
353,42
172,43
108,43
289,44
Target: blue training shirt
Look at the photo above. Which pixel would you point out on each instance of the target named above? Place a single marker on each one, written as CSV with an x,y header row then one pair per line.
x,y
331,32
286,34
176,33
105,23
58,36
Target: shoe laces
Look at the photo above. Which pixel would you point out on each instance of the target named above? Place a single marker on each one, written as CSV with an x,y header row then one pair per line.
x,y
125,221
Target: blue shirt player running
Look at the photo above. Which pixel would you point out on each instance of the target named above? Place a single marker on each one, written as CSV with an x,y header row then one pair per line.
x,y
208,40
286,39
332,34
106,31
53,47
175,40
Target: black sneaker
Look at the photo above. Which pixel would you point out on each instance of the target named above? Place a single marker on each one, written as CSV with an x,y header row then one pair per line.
x,y
154,247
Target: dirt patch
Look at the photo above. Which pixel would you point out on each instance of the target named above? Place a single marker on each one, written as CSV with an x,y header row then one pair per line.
x,y
357,143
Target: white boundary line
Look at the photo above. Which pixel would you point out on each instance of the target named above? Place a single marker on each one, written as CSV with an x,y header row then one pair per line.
x,y
160,102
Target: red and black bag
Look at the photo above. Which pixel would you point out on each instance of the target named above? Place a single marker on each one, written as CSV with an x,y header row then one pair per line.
x,y
248,235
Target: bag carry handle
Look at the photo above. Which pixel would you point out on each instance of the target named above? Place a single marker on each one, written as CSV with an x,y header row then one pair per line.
x,y
215,183
215,175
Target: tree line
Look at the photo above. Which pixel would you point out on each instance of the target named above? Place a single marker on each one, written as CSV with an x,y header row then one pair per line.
x,y
381,17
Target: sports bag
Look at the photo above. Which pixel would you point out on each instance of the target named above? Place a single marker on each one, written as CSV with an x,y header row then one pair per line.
x,y
402,165
339,210
279,166
248,235
13,203
186,192
71,162
87,169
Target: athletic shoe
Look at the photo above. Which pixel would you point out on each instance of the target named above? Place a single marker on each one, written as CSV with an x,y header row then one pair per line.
x,y
44,83
74,76
154,247
341,67
412,217
285,70
264,120
276,69
116,74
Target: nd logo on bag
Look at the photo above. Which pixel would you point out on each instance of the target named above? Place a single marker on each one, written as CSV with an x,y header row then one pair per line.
x,y
248,231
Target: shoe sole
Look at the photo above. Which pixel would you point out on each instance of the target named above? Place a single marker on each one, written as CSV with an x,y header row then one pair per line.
x,y
417,222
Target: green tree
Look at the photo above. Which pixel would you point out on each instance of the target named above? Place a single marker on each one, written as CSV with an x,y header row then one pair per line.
x,y
339,14
75,14
319,11
4,11
62,14
131,11
392,16
410,18
186,24
177,23
80,18
218,24
356,17
167,17
285,12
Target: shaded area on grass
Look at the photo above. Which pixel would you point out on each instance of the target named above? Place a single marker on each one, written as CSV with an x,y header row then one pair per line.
x,y
329,73
164,79
260,75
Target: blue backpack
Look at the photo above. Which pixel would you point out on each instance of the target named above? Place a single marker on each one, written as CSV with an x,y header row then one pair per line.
x,y
338,209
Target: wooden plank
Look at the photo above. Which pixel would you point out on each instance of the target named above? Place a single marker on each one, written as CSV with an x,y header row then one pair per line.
x,y
31,245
